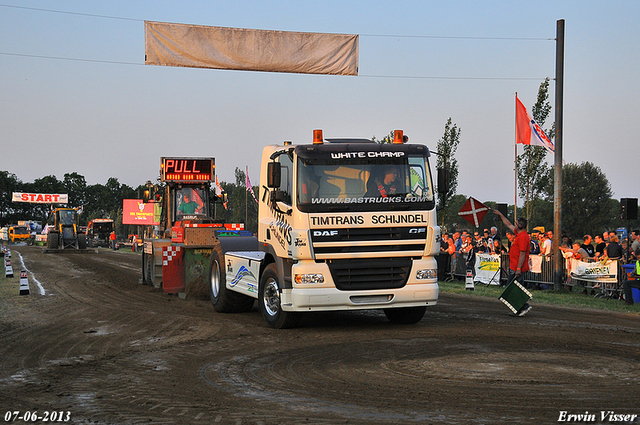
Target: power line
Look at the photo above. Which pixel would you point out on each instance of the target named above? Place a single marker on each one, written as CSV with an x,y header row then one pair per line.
x,y
69,59
450,78
414,77
447,37
436,37
71,13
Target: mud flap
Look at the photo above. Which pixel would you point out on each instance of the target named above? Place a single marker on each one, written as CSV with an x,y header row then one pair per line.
x,y
173,269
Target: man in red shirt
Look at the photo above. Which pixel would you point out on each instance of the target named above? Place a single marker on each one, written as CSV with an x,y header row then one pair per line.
x,y
518,254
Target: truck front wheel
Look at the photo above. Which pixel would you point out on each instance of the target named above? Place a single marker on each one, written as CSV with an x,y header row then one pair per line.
x,y
405,315
269,300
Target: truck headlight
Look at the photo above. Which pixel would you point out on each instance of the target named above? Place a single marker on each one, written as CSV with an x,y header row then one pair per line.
x,y
427,274
309,278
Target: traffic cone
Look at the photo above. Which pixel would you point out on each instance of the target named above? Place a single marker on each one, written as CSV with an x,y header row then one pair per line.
x,y
469,284
8,269
24,283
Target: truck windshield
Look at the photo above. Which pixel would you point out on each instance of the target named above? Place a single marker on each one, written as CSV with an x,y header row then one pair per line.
x,y
370,182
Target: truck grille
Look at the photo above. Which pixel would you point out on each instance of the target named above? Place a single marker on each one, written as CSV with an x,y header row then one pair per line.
x,y
368,242
366,274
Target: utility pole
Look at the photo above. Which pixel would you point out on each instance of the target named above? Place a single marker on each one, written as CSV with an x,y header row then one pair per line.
x,y
557,180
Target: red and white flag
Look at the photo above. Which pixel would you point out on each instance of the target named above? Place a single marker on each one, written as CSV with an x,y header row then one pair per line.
x,y
528,132
249,187
473,211
219,192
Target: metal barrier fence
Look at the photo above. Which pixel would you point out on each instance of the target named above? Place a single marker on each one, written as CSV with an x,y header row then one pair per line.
x,y
545,277
455,268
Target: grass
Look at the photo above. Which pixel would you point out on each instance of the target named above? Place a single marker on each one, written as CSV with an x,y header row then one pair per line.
x,y
563,298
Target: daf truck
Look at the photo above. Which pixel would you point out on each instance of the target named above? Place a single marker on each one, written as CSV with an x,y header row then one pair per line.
x,y
343,224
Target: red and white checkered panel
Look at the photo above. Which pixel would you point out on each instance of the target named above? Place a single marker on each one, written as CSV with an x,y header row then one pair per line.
x,y
234,226
173,280
169,253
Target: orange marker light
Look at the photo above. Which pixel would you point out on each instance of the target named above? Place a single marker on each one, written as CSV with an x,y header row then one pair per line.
x,y
397,136
317,137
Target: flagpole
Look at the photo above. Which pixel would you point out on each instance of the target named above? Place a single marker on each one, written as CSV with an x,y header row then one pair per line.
x,y
246,195
515,166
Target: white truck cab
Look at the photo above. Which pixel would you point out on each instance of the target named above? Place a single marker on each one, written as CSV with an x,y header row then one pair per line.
x,y
343,224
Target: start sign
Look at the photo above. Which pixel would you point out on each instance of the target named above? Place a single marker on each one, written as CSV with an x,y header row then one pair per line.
x,y
40,198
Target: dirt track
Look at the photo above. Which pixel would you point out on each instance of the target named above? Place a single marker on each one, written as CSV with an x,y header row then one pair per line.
x,y
111,351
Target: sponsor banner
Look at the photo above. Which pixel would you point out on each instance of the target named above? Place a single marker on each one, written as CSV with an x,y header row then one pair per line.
x,y
487,269
594,272
40,198
135,211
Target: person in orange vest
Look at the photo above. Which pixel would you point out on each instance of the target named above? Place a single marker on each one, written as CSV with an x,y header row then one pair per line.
x,y
112,240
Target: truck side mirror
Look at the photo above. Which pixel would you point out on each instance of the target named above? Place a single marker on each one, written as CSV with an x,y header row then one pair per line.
x,y
443,181
279,196
274,172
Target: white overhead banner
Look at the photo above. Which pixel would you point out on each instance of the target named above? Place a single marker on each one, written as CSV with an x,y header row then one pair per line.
x,y
198,46
40,198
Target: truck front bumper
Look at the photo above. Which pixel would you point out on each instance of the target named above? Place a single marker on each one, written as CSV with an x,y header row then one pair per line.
x,y
326,297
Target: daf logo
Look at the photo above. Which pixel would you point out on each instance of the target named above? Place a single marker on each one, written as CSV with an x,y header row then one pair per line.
x,y
418,230
325,233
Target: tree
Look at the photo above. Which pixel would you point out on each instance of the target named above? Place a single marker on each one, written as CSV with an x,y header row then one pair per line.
x,y
449,217
9,183
76,186
532,169
240,203
586,200
386,139
447,147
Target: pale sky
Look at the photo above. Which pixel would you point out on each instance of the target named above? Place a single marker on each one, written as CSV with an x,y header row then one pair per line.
x,y
76,95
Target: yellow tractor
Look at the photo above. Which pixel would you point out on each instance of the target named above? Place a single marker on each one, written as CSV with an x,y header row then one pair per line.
x,y
64,230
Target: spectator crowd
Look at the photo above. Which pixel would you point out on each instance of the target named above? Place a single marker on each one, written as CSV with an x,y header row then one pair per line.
x,y
591,249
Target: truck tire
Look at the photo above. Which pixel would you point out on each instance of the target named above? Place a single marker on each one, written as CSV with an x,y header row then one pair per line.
x,y
52,241
223,299
147,268
82,241
269,301
405,315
